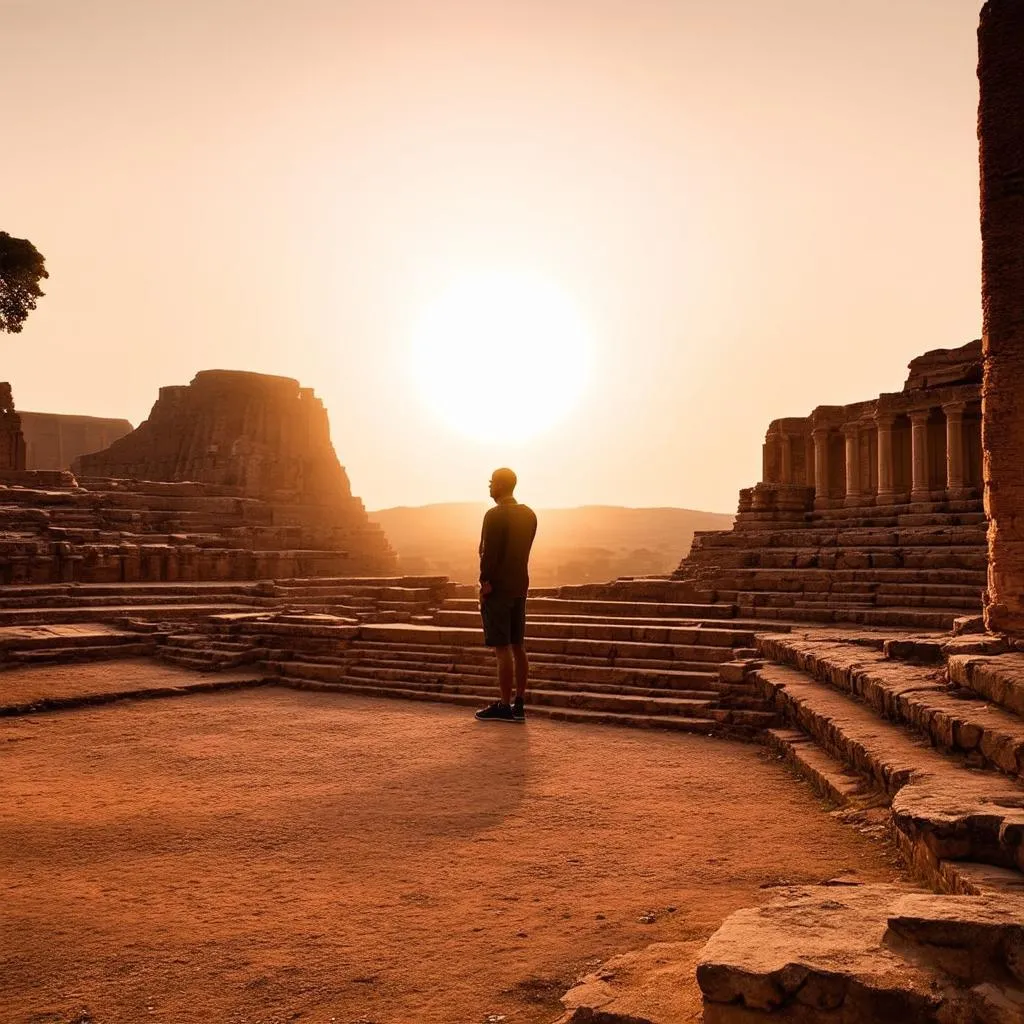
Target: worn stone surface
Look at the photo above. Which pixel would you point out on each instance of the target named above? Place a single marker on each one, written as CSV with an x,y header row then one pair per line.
x,y
973,939
876,953
1001,135
814,954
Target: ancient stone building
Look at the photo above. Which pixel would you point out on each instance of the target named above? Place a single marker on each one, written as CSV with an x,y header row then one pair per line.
x,y
867,513
1001,135
12,441
231,478
917,445
264,435
54,440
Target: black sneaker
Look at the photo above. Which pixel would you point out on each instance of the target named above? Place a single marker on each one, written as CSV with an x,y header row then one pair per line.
x,y
497,712
518,710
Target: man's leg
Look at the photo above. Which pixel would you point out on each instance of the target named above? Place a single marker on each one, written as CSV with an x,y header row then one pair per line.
x,y
503,656
494,611
522,669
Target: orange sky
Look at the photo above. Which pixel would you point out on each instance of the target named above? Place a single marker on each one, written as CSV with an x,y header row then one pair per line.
x,y
757,207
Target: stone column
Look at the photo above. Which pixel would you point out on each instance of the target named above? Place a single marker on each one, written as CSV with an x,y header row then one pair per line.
x,y
852,435
955,449
1001,134
920,491
821,467
785,459
886,471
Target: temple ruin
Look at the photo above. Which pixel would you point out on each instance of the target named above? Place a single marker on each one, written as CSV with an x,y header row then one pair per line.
x,y
230,478
868,513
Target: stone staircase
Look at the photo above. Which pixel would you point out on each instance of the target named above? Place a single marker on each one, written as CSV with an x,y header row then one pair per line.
x,y
915,737
101,530
917,565
631,668
923,735
43,645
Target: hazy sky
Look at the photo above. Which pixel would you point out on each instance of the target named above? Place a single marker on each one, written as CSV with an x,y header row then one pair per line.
x,y
756,207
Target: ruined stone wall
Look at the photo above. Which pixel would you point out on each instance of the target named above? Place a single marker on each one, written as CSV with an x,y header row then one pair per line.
x,y
12,441
1001,136
54,440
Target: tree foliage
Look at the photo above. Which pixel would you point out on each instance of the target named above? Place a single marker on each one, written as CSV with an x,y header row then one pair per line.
x,y
22,267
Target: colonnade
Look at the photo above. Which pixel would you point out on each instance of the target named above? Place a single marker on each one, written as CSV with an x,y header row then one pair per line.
x,y
873,459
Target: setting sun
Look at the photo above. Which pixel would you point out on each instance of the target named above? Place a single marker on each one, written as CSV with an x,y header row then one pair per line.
x,y
501,357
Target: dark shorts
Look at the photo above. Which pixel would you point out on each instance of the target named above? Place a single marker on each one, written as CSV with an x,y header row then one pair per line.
x,y
504,619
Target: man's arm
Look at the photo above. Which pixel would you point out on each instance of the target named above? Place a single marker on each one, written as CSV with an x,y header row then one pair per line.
x,y
493,538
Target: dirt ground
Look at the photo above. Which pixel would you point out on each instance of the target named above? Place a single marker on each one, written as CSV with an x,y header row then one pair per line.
x,y
271,855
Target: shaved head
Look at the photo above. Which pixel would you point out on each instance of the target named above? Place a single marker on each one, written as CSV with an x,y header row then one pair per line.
x,y
503,482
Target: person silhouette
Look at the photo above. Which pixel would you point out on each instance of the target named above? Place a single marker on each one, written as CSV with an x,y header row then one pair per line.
x,y
505,542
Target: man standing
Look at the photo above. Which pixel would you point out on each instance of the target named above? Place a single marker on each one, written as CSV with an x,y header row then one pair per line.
x,y
505,542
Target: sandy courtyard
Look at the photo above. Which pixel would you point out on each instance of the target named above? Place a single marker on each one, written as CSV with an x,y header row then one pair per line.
x,y
271,855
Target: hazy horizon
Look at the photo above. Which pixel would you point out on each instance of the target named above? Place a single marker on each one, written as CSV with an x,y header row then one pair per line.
x,y
753,208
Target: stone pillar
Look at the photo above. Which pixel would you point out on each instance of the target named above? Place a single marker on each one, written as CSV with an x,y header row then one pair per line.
x,y
1001,134
886,470
821,468
785,459
955,449
920,489
852,434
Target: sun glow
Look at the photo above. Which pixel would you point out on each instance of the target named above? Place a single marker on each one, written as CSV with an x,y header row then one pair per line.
x,y
501,357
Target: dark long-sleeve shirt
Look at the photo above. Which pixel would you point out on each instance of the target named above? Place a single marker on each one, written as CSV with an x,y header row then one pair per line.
x,y
505,542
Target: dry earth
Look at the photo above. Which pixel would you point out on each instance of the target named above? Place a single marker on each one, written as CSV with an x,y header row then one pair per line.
x,y
271,855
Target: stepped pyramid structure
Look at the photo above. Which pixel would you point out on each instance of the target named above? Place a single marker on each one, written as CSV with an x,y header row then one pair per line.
x,y
230,478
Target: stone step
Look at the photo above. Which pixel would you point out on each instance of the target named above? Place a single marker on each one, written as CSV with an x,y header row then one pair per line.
x,y
27,638
830,778
757,578
941,809
483,688
565,671
965,557
110,613
996,678
954,721
204,660
610,610
909,589
700,636
99,601
892,618
816,537
871,953
618,651
484,682
707,663
678,723
97,652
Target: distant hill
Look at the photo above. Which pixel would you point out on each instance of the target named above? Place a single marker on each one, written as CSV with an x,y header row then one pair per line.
x,y
574,545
